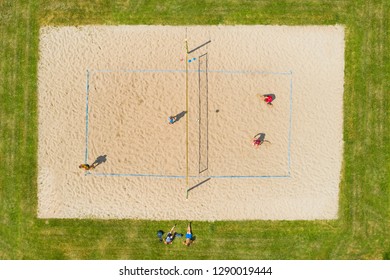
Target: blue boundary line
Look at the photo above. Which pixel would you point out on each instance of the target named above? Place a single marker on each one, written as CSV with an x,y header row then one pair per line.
x,y
191,71
183,177
248,72
290,127
86,118
140,71
183,71
242,177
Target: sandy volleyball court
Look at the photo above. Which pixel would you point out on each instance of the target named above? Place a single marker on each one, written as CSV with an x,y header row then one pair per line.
x,y
107,91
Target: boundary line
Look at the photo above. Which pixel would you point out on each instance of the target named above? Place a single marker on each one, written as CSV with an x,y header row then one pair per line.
x,y
192,71
290,127
89,72
183,177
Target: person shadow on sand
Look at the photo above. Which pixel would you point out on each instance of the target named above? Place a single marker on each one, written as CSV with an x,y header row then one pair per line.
x,y
99,160
179,116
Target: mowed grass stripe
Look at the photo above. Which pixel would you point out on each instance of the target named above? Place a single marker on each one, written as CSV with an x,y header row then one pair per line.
x,y
29,29
366,181
369,137
18,142
183,12
364,196
9,194
137,240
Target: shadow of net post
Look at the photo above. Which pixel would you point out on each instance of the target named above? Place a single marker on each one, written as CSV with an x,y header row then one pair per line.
x,y
200,46
203,113
199,184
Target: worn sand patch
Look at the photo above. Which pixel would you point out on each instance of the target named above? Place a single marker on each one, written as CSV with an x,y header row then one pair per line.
x,y
109,91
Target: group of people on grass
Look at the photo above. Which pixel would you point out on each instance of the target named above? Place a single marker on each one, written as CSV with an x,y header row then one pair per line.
x,y
172,234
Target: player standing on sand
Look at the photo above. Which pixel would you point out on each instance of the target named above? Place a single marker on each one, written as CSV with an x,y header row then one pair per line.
x,y
172,119
259,139
85,166
257,142
268,98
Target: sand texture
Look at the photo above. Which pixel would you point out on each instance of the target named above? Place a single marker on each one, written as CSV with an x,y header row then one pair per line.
x,y
106,92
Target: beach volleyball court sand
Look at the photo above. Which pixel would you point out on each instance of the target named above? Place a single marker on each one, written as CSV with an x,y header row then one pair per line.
x,y
106,92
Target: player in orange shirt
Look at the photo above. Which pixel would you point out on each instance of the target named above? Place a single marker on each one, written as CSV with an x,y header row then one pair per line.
x,y
85,166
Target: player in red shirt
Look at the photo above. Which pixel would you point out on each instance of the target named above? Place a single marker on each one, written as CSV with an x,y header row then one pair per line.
x,y
268,98
257,142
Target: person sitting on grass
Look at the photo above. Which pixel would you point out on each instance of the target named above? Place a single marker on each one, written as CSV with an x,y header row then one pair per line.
x,y
189,239
170,236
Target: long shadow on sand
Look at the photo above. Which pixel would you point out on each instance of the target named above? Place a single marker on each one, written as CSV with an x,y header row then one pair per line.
x,y
197,185
99,160
180,115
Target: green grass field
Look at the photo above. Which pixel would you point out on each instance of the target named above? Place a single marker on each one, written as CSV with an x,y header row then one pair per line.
x,y
363,228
